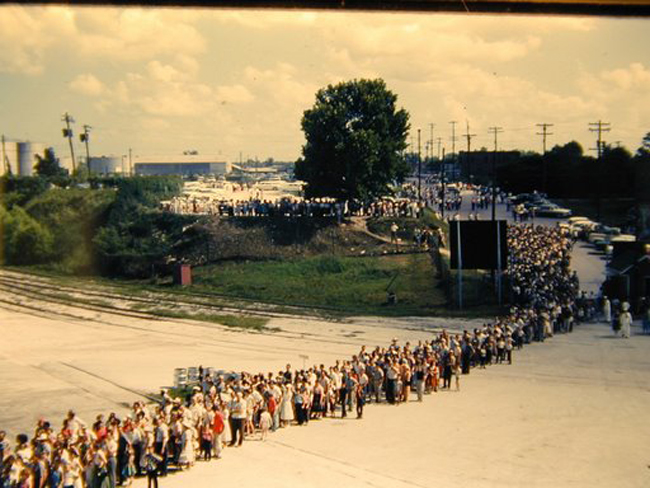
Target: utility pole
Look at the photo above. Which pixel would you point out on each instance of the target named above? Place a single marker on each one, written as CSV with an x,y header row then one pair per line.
x,y
419,170
84,137
442,185
453,140
494,130
544,133
468,137
130,163
599,127
439,144
5,161
67,132
431,126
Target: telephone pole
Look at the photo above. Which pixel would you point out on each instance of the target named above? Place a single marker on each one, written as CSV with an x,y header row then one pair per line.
x,y
419,170
431,126
67,132
5,161
544,133
599,127
495,131
468,138
85,137
453,140
439,144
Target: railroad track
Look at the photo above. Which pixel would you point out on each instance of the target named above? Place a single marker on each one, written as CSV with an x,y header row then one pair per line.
x,y
196,299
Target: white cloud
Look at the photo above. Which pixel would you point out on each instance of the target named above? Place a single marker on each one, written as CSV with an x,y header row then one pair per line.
x,y
28,34
87,84
25,37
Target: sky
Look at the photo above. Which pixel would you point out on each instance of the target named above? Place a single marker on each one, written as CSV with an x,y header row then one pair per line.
x,y
236,82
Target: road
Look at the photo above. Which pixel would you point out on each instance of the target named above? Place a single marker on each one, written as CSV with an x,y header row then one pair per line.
x,y
589,264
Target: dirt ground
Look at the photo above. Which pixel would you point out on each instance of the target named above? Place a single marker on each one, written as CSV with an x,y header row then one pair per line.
x,y
569,412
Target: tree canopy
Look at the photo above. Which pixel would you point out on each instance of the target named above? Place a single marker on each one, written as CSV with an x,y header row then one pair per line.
x,y
48,165
355,136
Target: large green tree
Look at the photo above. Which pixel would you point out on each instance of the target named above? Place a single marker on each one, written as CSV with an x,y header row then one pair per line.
x,y
355,136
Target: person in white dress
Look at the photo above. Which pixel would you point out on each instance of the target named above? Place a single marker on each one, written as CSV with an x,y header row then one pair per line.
x,y
607,310
187,456
625,320
286,408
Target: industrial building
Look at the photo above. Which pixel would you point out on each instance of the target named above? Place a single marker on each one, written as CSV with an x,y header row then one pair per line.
x,y
106,165
19,157
184,165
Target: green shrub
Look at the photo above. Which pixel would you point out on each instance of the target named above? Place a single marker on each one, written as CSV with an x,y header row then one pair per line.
x,y
24,240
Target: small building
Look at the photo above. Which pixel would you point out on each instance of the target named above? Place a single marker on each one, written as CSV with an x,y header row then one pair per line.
x,y
106,165
184,165
628,273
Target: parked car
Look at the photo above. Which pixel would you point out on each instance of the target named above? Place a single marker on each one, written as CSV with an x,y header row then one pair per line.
x,y
623,238
552,210
605,229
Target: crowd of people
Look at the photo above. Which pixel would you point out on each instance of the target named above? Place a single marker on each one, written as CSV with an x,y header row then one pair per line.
x,y
229,408
293,207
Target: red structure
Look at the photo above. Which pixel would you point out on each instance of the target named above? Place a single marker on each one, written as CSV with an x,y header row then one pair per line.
x,y
183,275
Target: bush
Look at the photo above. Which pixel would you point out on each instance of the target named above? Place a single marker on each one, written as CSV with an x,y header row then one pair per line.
x,y
24,240
73,217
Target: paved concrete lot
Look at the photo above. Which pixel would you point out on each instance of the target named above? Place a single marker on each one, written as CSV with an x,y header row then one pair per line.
x,y
569,412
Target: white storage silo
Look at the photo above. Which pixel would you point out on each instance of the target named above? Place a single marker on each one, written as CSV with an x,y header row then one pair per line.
x,y
25,156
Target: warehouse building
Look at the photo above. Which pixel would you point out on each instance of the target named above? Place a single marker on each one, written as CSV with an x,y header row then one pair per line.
x,y
106,165
185,165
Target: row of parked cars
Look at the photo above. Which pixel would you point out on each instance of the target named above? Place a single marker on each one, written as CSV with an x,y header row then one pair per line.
x,y
540,205
602,237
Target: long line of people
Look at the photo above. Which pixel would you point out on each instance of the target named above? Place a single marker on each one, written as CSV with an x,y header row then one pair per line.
x,y
228,408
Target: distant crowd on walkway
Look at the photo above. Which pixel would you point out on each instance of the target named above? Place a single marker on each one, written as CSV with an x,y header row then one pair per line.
x,y
228,408
405,203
